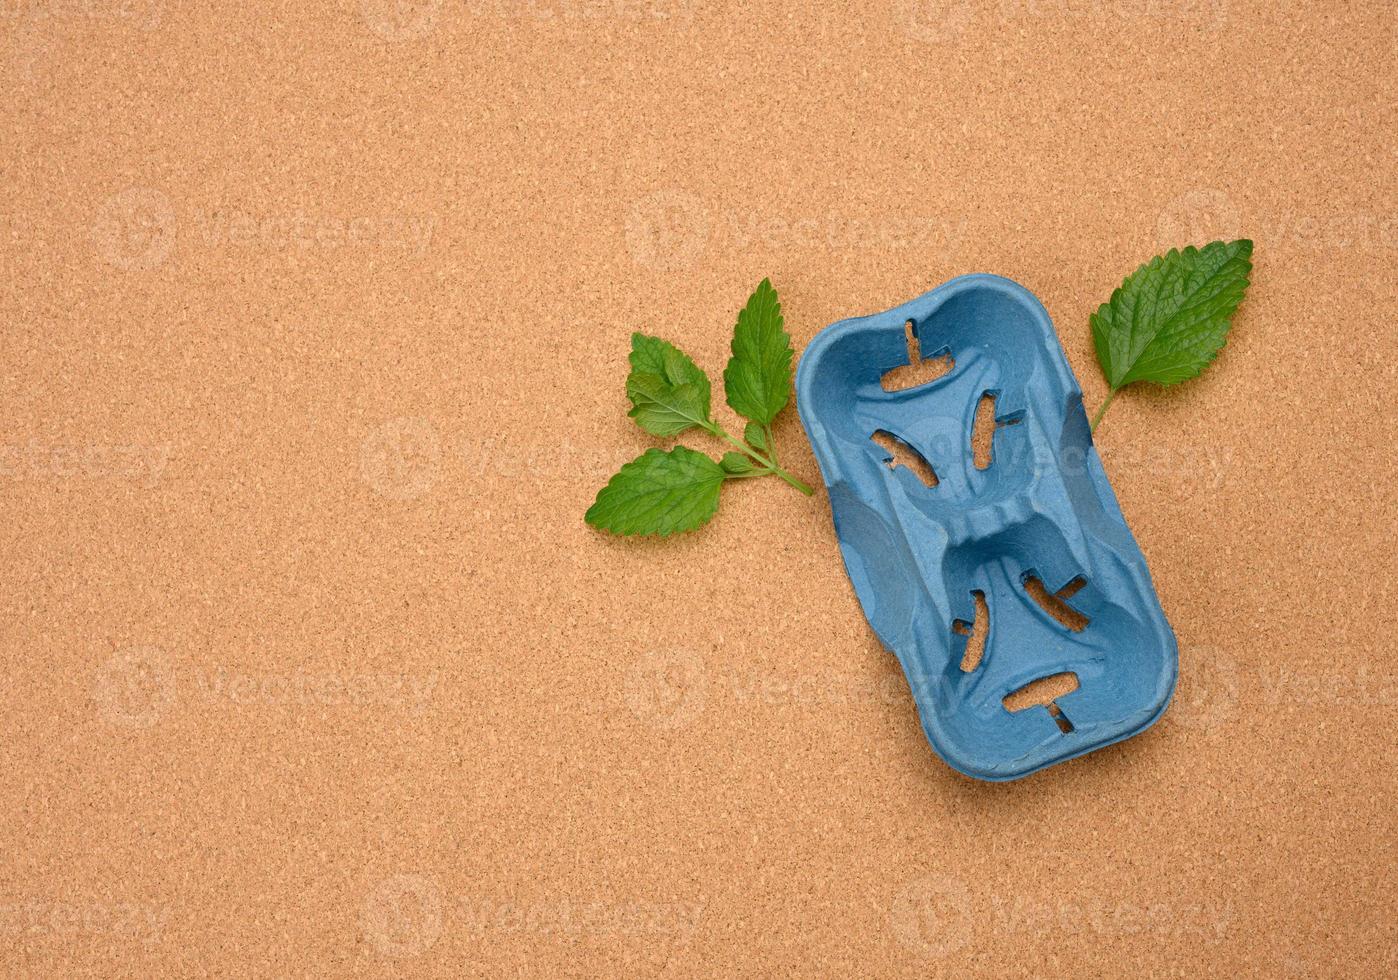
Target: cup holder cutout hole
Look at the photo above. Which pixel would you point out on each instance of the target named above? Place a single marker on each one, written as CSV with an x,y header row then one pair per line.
x,y
976,633
1045,692
917,371
902,454
985,426
1056,603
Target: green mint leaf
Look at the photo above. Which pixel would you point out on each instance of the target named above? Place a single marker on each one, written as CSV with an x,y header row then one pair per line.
x,y
659,493
736,463
1171,316
757,380
669,393
756,436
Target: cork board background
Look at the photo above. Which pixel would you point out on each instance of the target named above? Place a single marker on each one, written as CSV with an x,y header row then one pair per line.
x,y
315,322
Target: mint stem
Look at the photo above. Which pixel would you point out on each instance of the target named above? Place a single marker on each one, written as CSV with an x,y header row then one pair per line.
x,y
769,465
793,481
722,433
1097,419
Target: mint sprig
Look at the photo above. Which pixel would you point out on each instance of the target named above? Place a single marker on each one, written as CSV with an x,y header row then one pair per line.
x,y
1170,317
667,492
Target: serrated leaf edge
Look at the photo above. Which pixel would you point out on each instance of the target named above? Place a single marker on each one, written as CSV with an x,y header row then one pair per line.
x,y
1096,318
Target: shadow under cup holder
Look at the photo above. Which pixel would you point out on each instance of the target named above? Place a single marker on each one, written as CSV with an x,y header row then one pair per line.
x,y
979,530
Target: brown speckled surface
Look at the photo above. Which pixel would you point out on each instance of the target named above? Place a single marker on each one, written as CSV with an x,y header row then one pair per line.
x,y
315,325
